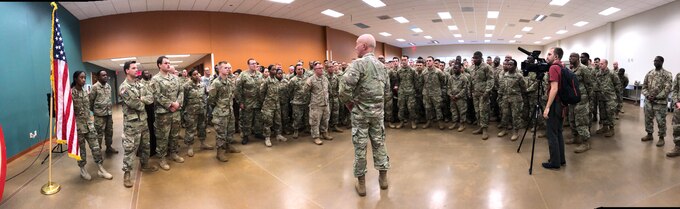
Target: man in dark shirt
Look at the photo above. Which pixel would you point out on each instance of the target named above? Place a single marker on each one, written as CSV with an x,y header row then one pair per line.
x,y
553,111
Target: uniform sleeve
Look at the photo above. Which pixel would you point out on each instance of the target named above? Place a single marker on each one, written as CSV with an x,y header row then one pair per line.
x,y
531,83
130,100
349,80
588,83
180,96
146,95
239,90
449,88
264,88
92,96
645,86
186,88
489,81
617,83
676,88
212,94
522,84
666,89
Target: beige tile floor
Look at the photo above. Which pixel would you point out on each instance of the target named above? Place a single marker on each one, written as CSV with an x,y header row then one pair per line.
x,y
430,169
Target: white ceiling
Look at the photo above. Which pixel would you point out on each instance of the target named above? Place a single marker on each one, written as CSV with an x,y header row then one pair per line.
x,y
149,62
420,13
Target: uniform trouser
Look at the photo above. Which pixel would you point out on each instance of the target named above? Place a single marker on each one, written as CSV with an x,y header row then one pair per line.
x,y
334,104
505,114
365,129
251,120
271,117
167,127
195,127
395,108
343,115
458,110
433,104
514,113
285,116
407,107
90,136
619,103
318,120
388,108
225,126
299,116
554,134
135,140
150,121
482,110
658,111
420,106
471,112
494,105
446,106
579,119
607,110
594,105
676,127
104,127
236,107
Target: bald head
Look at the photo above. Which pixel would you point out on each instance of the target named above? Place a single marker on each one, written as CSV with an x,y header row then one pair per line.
x,y
603,64
365,44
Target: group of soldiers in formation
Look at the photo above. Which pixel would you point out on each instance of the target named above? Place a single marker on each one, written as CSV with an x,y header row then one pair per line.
x,y
268,102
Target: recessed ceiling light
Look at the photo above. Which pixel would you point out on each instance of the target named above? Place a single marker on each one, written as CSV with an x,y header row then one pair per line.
x,y
412,44
518,36
177,55
332,13
537,42
401,19
547,38
492,14
282,1
461,41
385,34
457,35
375,3
417,30
400,40
608,11
428,37
490,27
488,35
178,61
527,29
121,65
580,23
558,2
435,42
561,31
487,41
124,58
539,18
512,41
453,27
444,15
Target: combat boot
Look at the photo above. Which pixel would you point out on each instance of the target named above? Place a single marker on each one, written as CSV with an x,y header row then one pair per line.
x,y
111,150
392,125
602,130
441,125
281,138
502,133
610,131
126,179
176,158
244,140
649,137
318,141
149,168
267,142
205,146
382,180
500,126
361,186
222,155
336,129
190,151
427,125
583,147
477,131
231,149
661,142
164,164
399,125
485,135
461,127
674,153
295,134
84,174
514,136
413,125
453,126
103,173
326,136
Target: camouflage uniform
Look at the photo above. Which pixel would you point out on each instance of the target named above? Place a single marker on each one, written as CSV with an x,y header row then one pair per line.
x,y
284,103
482,83
593,97
624,83
135,129
100,104
657,83
531,101
471,117
220,97
458,91
608,84
271,111
300,103
388,99
365,84
675,89
247,92
505,117
85,127
513,86
406,94
334,102
419,96
194,112
433,80
167,89
318,104
579,114
495,103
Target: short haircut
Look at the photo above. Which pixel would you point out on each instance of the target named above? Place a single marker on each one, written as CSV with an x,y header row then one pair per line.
x,y
478,54
597,59
405,56
192,72
249,59
421,62
514,62
127,64
160,61
585,54
559,52
220,63
395,58
316,63
100,72
660,58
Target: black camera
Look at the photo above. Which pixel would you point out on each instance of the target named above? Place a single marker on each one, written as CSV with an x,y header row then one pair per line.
x,y
533,63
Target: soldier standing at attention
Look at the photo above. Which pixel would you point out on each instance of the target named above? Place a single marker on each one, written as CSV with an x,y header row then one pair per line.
x,y
135,97
300,100
482,83
365,85
168,99
194,112
433,80
579,114
609,85
247,92
406,77
220,96
271,111
458,92
656,87
100,104
513,86
284,101
319,111
333,90
676,117
624,83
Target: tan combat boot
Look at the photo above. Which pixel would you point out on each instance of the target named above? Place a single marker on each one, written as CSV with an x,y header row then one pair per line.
x,y
661,142
190,151
325,136
164,164
477,131
485,135
126,179
231,149
295,134
361,186
318,141
103,173
609,132
177,158
453,126
461,128
441,125
382,180
583,146
502,133
222,155
205,146
146,167
649,137
674,153
267,142
336,129
427,125
413,125
399,125
514,136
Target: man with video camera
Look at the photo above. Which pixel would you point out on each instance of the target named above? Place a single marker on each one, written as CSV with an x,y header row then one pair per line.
x,y
553,111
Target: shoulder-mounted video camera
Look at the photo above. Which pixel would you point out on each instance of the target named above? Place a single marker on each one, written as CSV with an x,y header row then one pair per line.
x,y
533,63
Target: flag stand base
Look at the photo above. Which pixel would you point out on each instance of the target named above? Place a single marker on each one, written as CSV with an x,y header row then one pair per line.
x,y
50,188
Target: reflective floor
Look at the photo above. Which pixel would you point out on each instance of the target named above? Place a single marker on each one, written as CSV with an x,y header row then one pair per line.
x,y
430,169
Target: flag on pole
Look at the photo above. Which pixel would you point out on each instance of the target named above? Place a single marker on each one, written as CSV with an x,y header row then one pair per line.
x,y
66,121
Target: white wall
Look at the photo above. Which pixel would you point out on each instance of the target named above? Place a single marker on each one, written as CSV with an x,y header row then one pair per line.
x,y
466,51
633,41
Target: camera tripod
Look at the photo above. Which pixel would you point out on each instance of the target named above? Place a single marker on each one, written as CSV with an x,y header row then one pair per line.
x,y
535,114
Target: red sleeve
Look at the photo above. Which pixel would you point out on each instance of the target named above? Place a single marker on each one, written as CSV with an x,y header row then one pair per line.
x,y
554,73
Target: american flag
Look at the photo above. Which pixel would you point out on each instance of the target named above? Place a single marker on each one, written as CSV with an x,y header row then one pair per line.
x,y
66,121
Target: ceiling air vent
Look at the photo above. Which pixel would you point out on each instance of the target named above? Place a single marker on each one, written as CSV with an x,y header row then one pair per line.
x,y
384,17
437,20
556,15
523,20
362,26
467,9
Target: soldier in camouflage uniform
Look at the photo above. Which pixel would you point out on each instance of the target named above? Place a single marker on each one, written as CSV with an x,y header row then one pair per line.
x,y
458,92
420,66
595,106
300,101
406,78
365,85
220,96
319,111
168,99
284,101
608,84
579,114
675,88
495,109
271,111
100,104
433,80
512,87
388,99
334,102
482,83
655,88
505,117
135,96
194,112
247,92
624,83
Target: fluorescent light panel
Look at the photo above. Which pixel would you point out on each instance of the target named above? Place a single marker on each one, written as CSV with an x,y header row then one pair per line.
x,y
457,35
412,44
512,41
518,36
527,29
608,11
492,14
461,41
558,2
417,30
428,37
386,34
453,27
400,40
283,1
375,3
537,42
401,19
177,55
487,41
124,58
561,31
444,15
580,23
539,18
488,35
490,27
332,13
547,38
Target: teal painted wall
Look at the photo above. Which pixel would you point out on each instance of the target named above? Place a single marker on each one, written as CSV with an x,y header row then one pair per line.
x,y
25,56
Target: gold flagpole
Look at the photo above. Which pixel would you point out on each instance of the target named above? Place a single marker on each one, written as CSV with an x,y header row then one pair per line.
x,y
51,187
